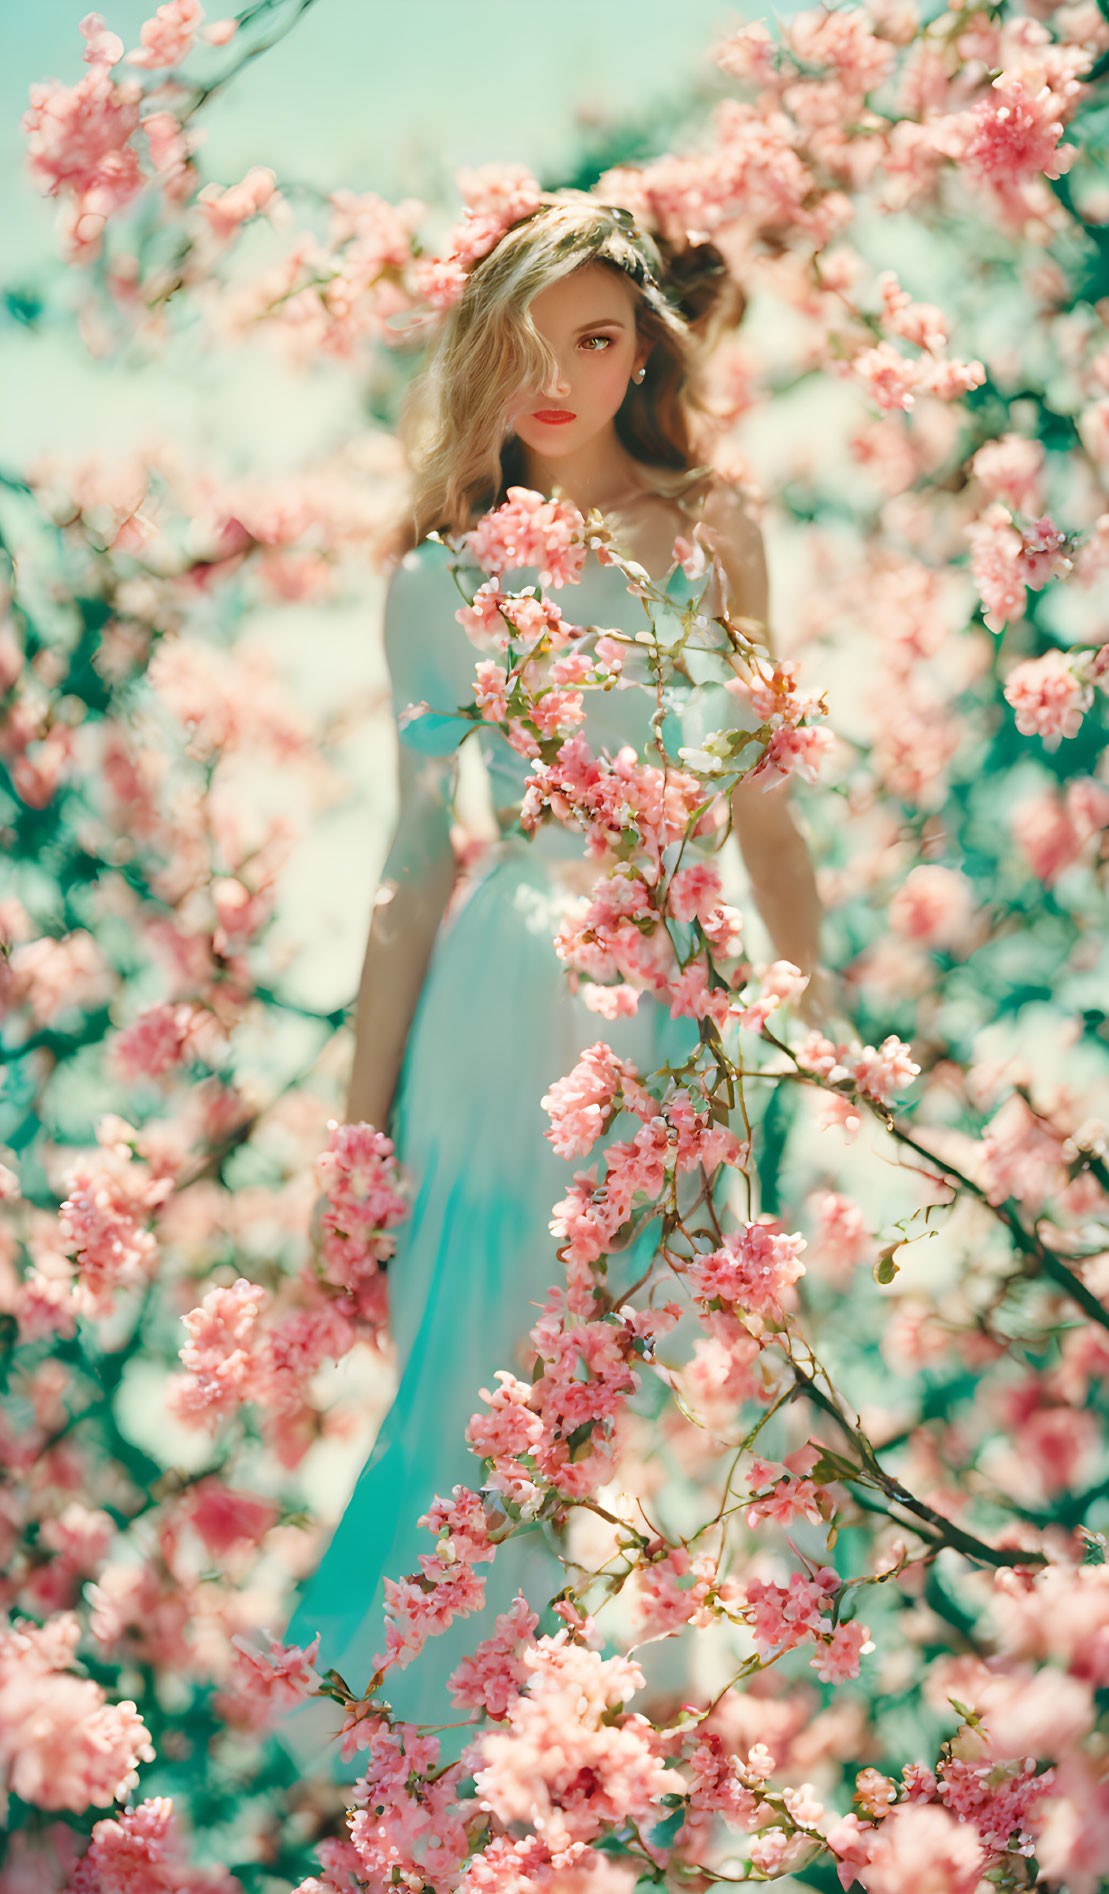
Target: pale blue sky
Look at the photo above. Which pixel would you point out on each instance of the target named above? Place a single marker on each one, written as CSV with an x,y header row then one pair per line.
x,y
371,92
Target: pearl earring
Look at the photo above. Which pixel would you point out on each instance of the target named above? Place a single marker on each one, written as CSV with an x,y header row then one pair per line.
x,y
639,374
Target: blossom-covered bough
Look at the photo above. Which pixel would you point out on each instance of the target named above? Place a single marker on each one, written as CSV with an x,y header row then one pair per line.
x,y
556,1442
845,1454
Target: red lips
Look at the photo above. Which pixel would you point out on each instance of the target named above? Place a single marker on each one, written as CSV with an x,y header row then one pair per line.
x,y
553,415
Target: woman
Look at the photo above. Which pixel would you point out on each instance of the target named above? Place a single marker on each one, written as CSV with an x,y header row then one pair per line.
x,y
566,365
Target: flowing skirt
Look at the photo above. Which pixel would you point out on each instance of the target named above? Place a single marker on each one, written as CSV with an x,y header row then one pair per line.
x,y
495,1025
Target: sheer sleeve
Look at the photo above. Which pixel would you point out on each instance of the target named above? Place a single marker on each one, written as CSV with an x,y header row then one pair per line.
x,y
430,658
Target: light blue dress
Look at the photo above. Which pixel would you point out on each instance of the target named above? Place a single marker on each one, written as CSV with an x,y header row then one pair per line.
x,y
494,1026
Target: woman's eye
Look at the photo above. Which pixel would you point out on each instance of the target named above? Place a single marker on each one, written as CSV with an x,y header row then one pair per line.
x,y
606,339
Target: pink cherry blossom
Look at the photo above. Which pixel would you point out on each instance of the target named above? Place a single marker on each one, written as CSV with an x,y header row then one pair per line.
x,y
142,1851
155,1042
754,1269
78,142
53,976
995,1801
365,1202
144,1611
227,1520
922,1845
788,1499
1073,1837
920,323
226,211
493,1677
844,44
696,893
887,376
851,1842
720,1783
404,1822
168,37
103,1221
933,904
843,1238
783,1617
1021,1155
949,380
794,751
439,280
489,689
170,153
880,1074
608,799
1014,135
218,1357
749,53
996,565
505,1866
512,1427
1049,700
579,1104
63,1746
80,1535
496,196
531,531
780,984
674,1591
263,1684
611,1002
771,1850
1053,830
562,1764
692,996
1010,470
416,1609
838,1660
1043,553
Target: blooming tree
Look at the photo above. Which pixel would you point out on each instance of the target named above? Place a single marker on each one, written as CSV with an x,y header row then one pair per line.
x,y
851,1440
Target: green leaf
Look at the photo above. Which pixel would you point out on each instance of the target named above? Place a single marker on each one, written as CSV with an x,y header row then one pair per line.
x,y
885,1269
833,1466
664,1833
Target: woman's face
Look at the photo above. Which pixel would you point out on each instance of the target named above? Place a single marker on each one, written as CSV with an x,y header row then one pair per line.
x,y
588,318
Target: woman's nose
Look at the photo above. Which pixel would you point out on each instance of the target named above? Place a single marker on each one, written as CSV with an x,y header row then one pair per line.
x,y
559,383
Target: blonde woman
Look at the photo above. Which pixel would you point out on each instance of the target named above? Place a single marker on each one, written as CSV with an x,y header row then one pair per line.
x,y
568,365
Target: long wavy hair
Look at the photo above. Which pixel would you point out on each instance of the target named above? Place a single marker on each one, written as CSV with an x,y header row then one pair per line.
x,y
460,450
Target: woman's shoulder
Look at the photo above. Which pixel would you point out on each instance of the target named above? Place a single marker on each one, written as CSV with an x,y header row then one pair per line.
x,y
726,509
427,555
723,505
728,520
411,570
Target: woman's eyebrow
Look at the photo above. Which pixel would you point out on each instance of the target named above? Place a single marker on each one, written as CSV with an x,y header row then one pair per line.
x,y
604,322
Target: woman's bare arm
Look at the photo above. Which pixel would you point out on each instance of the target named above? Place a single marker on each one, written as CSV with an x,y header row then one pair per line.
x,y
416,882
771,840
415,887
782,880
